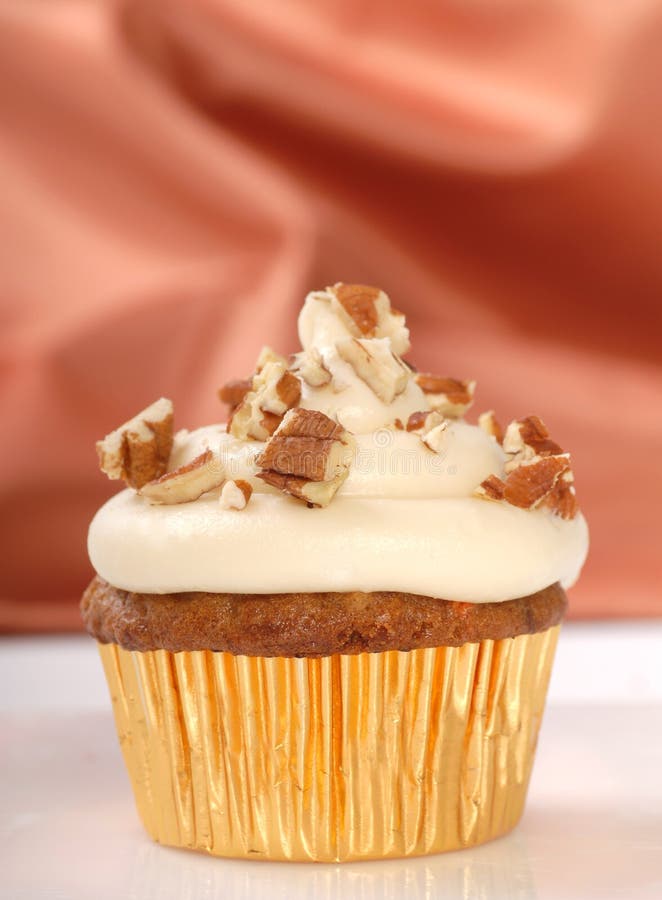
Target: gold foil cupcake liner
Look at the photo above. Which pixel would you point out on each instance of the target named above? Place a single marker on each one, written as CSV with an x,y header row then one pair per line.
x,y
346,757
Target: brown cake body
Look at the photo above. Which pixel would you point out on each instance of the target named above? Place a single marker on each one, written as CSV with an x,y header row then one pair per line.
x,y
307,624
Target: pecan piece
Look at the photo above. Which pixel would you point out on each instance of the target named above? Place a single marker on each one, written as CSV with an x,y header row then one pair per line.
x,y
187,483
139,450
274,390
235,494
310,366
492,488
448,396
376,364
234,391
365,312
310,445
313,493
430,426
416,420
308,456
268,355
359,303
562,499
531,482
490,425
529,437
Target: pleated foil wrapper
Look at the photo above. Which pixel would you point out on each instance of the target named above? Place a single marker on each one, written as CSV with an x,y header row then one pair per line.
x,y
365,756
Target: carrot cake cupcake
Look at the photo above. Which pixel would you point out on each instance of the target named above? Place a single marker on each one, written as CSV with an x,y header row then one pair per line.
x,y
328,625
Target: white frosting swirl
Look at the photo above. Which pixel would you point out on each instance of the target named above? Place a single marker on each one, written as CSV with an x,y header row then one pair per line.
x,y
404,520
456,547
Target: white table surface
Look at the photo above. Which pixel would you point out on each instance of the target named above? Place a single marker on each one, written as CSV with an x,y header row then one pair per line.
x,y
592,828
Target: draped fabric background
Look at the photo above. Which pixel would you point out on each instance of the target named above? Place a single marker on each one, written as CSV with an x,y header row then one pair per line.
x,y
176,175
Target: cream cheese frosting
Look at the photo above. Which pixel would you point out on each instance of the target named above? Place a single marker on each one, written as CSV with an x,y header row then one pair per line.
x,y
405,519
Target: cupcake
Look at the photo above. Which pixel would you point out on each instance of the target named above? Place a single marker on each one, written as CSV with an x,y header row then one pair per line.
x,y
328,625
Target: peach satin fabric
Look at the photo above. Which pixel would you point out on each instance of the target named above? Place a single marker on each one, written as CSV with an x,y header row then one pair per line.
x,y
176,175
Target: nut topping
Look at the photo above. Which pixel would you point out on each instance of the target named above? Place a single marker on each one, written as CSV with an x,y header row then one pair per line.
x,y
488,422
310,445
139,450
247,422
311,423
430,426
186,483
376,364
538,472
268,355
434,439
270,422
278,390
234,391
562,499
416,420
310,366
235,494
308,456
367,313
531,482
313,493
425,420
359,303
526,439
492,488
274,390
449,396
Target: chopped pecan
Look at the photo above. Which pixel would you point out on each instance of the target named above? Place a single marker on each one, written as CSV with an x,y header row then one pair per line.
x,y
430,426
274,390
492,488
488,422
376,364
139,450
416,420
531,482
530,437
234,391
310,445
270,422
312,423
359,302
310,366
535,434
434,438
562,499
186,483
278,390
307,449
235,494
367,313
268,355
537,470
313,493
425,420
288,388
448,396
246,421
